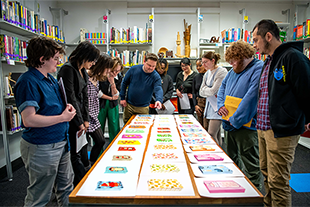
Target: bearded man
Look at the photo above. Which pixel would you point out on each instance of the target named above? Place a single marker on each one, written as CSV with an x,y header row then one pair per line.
x,y
283,109
240,133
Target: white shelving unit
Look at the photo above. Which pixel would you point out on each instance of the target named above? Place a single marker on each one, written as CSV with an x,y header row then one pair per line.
x,y
8,28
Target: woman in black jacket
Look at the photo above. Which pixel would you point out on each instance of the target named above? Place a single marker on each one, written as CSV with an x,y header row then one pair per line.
x,y
166,81
183,85
75,79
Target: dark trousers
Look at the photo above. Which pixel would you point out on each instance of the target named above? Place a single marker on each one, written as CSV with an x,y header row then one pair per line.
x,y
242,148
76,158
98,138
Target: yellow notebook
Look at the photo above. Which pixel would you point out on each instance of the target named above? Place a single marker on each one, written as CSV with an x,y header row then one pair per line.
x,y
231,103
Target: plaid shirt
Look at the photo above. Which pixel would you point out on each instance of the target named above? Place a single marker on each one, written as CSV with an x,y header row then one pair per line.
x,y
263,119
93,106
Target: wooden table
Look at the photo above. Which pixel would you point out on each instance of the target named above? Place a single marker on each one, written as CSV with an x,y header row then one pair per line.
x,y
160,200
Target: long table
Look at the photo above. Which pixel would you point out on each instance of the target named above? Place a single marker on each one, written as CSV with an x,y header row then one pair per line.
x,y
160,200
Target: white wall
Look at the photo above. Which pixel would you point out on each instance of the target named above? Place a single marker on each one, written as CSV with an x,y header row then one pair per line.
x,y
168,20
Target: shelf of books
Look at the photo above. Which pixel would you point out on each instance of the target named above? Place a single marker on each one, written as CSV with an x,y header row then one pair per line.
x,y
160,159
17,25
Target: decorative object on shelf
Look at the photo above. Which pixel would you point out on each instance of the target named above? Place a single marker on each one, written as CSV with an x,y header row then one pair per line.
x,y
9,84
214,40
169,54
178,54
83,31
160,55
162,50
187,38
202,41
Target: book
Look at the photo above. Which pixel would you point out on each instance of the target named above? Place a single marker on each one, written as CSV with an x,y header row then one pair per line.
x,y
208,157
231,103
214,169
223,186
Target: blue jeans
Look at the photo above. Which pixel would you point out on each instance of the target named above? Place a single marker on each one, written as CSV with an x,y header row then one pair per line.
x,y
48,166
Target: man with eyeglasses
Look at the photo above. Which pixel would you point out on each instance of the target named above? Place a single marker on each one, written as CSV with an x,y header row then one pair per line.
x,y
283,109
142,81
242,83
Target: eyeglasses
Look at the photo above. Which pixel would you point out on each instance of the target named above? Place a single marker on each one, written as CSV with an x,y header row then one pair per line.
x,y
204,62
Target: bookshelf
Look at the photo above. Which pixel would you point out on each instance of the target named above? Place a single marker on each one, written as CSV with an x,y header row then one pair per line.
x,y
14,37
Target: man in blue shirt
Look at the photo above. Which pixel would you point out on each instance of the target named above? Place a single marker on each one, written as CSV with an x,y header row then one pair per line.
x,y
242,82
44,145
142,81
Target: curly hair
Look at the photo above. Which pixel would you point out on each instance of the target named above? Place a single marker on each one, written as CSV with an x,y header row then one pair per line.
x,y
239,50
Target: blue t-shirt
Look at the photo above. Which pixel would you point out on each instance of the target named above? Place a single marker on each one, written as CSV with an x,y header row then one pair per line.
x,y
141,86
34,89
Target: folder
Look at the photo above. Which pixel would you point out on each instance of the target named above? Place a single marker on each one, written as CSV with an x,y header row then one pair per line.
x,y
231,103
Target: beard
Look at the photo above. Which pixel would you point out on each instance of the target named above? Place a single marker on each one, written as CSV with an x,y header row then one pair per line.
x,y
239,67
266,48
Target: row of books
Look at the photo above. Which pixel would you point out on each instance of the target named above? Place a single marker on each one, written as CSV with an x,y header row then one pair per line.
x,y
235,34
131,35
97,35
129,58
15,13
12,48
260,56
302,31
13,118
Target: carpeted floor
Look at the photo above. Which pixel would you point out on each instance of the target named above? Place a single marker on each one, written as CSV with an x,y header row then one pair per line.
x,y
13,193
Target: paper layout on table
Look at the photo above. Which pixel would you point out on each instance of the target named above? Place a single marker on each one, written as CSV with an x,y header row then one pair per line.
x,y
122,158
202,148
155,139
216,170
170,185
188,126
232,103
164,169
135,122
198,141
135,131
123,186
203,191
193,159
191,130
131,136
195,134
166,147
164,156
128,142
223,186
208,157
128,180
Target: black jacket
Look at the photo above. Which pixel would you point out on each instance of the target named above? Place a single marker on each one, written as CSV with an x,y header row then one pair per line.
x,y
289,96
167,86
76,91
105,87
196,87
185,86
